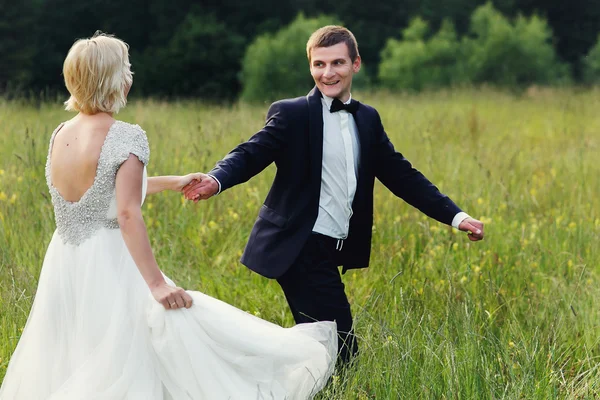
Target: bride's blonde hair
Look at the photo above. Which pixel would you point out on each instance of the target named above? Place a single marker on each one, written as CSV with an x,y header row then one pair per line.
x,y
97,74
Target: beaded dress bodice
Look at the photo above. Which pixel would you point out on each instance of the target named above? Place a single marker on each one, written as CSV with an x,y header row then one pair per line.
x,y
97,208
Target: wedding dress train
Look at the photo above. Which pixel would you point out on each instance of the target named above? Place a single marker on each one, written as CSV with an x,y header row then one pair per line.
x,y
96,332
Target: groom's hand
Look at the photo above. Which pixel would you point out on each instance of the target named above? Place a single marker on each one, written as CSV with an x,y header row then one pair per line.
x,y
201,190
186,180
473,227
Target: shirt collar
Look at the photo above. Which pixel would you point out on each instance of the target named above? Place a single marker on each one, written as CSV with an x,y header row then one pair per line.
x,y
329,100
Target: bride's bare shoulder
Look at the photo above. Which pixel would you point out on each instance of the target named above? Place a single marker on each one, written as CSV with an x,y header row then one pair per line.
x,y
87,124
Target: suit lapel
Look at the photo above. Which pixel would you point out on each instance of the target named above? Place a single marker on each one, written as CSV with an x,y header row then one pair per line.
x,y
363,132
315,116
361,119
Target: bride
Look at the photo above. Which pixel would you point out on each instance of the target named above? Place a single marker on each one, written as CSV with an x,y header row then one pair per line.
x,y
106,323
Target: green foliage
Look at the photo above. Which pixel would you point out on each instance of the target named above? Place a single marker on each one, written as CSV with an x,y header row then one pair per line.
x,y
275,65
417,62
497,51
36,35
591,64
17,46
508,53
199,60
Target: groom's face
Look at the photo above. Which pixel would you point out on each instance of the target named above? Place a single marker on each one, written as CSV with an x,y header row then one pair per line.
x,y
332,69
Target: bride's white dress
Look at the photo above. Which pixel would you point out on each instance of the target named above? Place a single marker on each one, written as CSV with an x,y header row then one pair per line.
x,y
95,331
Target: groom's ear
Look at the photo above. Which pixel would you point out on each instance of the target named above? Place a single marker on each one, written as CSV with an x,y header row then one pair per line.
x,y
356,64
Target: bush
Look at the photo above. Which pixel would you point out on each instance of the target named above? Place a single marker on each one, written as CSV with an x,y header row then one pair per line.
x,y
511,54
418,63
496,51
591,64
275,65
200,59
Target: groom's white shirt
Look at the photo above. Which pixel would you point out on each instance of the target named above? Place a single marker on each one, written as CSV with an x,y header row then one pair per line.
x,y
339,173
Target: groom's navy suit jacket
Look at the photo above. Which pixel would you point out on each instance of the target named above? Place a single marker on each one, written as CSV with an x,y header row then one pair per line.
x,y
293,138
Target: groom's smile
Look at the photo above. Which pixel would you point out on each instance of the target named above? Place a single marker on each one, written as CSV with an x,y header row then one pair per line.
x,y
332,69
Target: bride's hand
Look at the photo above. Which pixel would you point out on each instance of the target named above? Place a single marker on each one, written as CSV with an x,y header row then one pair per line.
x,y
171,297
185,180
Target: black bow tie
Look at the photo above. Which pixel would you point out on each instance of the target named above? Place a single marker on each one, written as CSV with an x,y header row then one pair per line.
x,y
337,105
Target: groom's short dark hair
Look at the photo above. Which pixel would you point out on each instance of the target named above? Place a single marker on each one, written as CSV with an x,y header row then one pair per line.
x,y
331,35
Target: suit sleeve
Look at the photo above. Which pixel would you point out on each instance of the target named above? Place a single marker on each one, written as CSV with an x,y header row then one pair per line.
x,y
406,182
254,155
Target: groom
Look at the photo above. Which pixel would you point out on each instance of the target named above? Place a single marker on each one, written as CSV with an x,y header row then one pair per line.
x,y
318,215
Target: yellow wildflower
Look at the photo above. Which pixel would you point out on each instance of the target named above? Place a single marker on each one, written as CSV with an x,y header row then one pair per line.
x,y
559,219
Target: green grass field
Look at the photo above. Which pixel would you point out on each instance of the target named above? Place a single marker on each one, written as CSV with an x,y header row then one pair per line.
x,y
513,317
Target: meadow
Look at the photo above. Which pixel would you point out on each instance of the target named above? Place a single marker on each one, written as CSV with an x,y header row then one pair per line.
x,y
512,317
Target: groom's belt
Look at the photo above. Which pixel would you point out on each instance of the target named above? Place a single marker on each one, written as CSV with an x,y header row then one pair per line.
x,y
328,241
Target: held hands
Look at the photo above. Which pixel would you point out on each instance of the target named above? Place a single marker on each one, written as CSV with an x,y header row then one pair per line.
x,y
186,180
201,189
473,227
171,297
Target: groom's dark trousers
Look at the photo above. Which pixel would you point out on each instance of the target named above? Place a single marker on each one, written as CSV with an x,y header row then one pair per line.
x,y
315,291
282,244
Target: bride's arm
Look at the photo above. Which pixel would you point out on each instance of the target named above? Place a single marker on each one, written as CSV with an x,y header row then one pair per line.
x,y
158,184
133,229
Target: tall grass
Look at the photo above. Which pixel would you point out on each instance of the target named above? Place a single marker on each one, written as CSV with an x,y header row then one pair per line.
x,y
439,317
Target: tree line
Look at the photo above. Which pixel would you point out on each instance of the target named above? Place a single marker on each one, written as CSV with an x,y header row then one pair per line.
x,y
182,48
